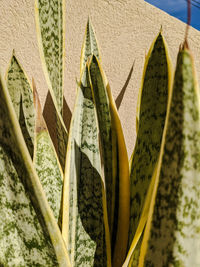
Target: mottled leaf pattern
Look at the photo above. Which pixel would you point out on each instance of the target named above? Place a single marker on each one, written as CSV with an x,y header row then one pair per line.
x,y
152,114
29,235
85,226
115,162
46,161
173,227
22,97
50,30
90,45
50,24
22,240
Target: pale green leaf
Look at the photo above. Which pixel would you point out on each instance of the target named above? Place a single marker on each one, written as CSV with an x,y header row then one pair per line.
x,y
152,113
115,162
22,97
85,226
46,162
172,233
29,235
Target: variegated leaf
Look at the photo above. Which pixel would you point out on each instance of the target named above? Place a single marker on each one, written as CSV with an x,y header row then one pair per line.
x,y
46,162
22,97
90,45
85,226
172,233
29,235
115,162
153,106
50,25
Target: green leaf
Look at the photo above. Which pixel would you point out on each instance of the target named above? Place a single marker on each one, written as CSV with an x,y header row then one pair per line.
x,y
46,162
50,23
21,94
115,162
50,26
152,113
29,234
85,226
172,233
90,45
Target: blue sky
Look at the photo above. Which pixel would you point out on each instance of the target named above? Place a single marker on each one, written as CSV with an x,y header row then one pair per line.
x,y
178,9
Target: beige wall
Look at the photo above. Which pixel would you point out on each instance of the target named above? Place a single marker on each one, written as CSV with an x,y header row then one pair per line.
x,y
125,30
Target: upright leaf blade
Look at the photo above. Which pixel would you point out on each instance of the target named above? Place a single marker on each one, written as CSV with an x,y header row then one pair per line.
x,y
90,45
153,106
85,226
50,26
115,160
172,232
46,162
29,233
21,94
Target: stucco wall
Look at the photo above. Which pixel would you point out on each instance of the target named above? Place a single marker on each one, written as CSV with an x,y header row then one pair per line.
x,y
125,30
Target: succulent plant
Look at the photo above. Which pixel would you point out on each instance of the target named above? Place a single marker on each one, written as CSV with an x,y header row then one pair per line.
x,y
78,201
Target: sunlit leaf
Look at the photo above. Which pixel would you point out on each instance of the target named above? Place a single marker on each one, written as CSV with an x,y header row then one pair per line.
x,y
21,94
172,233
153,106
29,235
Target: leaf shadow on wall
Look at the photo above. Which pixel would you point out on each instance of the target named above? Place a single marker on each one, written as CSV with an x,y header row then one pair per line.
x,y
90,206
120,97
49,114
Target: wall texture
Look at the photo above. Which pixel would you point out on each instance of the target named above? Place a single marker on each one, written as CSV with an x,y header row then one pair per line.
x,y
125,30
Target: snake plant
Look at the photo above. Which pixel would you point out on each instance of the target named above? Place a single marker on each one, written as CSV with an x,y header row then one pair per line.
x,y
77,201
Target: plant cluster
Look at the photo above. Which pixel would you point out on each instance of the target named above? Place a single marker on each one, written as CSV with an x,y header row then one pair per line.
x,y
81,203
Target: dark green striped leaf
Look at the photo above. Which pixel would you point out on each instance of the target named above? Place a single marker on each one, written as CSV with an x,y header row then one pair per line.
x,y
22,97
152,113
172,233
29,235
115,162
85,225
